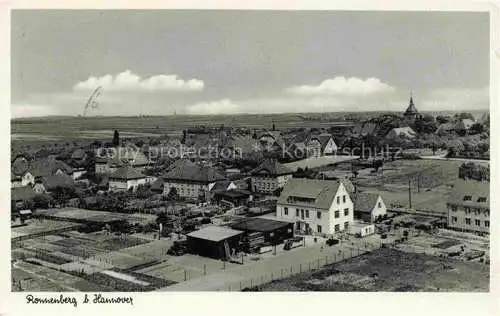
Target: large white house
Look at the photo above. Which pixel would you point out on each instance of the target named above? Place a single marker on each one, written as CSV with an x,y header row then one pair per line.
x,y
126,178
316,206
269,176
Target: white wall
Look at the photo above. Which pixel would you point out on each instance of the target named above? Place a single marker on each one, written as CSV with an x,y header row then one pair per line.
x,y
122,185
268,184
187,189
341,207
330,147
378,211
327,220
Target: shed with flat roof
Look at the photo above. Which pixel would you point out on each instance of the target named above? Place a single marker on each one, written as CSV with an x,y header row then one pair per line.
x,y
215,242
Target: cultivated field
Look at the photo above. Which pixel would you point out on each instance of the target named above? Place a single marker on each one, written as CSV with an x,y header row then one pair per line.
x,y
97,216
389,270
37,227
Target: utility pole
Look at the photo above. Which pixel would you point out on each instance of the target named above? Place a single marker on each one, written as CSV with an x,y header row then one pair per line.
x,y
418,183
409,191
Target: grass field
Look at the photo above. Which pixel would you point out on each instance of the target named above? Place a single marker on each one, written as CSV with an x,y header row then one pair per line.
x,y
389,270
39,227
427,173
36,130
39,278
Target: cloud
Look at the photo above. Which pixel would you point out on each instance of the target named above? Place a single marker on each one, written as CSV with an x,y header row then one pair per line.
x,y
293,104
224,106
30,110
128,81
342,86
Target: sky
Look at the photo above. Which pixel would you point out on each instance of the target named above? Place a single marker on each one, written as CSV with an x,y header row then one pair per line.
x,y
228,62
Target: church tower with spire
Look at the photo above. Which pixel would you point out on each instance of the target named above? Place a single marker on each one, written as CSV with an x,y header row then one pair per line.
x,y
411,113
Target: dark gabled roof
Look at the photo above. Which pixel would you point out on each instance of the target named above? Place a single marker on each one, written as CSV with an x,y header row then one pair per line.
x,y
473,189
126,173
348,185
44,167
321,191
365,202
221,186
255,224
245,144
22,194
272,167
122,156
59,180
190,171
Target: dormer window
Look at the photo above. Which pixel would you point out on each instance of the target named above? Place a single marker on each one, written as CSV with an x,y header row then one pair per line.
x,y
467,198
481,199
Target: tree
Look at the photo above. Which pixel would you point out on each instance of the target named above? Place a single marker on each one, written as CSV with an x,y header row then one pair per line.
x,y
455,147
63,194
116,138
173,194
476,128
441,119
41,201
425,124
464,115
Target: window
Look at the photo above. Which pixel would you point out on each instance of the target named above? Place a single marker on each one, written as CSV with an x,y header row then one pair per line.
x,y
286,210
337,228
379,205
454,208
297,212
318,215
343,199
467,221
453,219
481,199
486,223
319,229
346,212
337,214
302,214
467,210
477,222
467,198
338,199
346,225
307,213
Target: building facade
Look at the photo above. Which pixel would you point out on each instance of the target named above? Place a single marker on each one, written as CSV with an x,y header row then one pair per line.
x,y
316,206
127,178
269,177
191,180
469,208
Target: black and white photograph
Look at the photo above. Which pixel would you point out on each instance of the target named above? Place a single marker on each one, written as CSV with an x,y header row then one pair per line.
x,y
176,150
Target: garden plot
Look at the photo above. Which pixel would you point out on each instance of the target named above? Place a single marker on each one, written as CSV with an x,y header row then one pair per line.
x,y
47,279
389,270
138,255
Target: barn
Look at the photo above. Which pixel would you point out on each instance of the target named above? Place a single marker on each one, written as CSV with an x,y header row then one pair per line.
x,y
215,242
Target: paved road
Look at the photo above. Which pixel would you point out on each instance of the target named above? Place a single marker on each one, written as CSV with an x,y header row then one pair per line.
x,y
272,267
